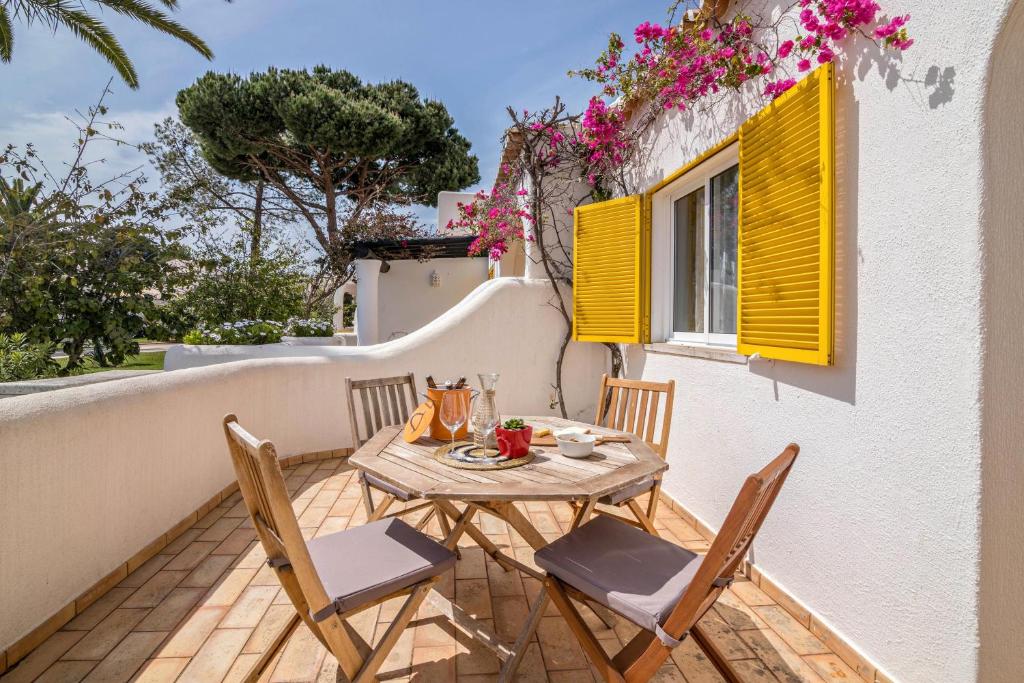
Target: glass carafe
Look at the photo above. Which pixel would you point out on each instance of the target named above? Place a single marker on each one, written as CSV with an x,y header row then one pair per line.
x,y
485,413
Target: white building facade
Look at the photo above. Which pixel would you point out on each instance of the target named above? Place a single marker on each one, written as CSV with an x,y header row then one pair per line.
x,y
902,522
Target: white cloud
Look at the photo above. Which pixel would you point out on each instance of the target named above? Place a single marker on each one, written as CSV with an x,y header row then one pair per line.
x,y
54,137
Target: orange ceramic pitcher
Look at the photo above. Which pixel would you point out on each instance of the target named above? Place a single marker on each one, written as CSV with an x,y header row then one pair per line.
x,y
437,428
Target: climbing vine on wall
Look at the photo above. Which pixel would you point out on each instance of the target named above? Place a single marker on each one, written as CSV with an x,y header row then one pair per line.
x,y
682,64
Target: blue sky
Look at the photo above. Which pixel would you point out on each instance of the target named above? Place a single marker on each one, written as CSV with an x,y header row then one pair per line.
x,y
476,57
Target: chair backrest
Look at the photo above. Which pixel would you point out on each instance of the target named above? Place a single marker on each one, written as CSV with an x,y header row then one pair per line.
x,y
266,498
384,401
632,405
733,541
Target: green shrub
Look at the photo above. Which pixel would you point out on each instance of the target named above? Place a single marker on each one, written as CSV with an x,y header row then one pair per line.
x,y
241,332
20,360
514,423
348,314
298,327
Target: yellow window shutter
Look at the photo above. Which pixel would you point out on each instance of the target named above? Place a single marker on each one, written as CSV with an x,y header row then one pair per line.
x,y
786,226
608,271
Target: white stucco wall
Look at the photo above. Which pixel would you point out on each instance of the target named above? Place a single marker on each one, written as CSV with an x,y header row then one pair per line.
x,y
406,301
447,209
91,475
877,530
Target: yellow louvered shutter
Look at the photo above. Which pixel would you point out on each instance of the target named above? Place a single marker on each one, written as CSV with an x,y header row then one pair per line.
x,y
608,281
786,241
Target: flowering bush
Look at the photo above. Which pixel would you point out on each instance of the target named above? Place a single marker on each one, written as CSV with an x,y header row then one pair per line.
x,y
241,332
496,217
298,327
676,66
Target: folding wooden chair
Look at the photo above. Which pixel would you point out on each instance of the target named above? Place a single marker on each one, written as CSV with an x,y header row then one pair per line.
x,y
383,402
632,406
333,577
657,585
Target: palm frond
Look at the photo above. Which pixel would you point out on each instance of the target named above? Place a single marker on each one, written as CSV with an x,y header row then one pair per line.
x,y
71,15
153,17
6,35
92,31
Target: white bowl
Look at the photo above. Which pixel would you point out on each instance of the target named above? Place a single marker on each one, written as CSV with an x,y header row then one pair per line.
x,y
575,445
569,431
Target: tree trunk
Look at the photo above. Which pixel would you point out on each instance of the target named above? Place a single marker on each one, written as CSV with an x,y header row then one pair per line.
x,y
97,353
256,236
73,349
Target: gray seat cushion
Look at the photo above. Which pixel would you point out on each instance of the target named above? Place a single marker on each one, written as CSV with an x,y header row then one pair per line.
x,y
382,485
362,564
631,491
640,576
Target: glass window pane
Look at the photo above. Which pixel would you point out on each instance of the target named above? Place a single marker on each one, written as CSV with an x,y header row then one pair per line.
x,y
688,299
722,251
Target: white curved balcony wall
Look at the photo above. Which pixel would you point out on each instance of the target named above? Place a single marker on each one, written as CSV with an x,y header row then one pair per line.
x,y
91,475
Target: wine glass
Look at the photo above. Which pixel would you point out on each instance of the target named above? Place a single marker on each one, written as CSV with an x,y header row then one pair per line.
x,y
453,411
485,415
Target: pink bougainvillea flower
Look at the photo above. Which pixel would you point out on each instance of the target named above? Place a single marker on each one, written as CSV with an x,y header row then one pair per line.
x,y
674,67
776,88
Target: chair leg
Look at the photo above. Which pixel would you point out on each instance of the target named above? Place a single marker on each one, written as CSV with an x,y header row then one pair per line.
x,y
442,519
340,644
367,498
642,517
598,611
446,528
258,668
581,515
368,671
508,669
425,520
714,655
462,523
590,645
473,532
652,504
379,511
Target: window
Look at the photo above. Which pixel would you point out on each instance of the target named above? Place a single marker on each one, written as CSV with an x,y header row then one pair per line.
x,y
675,272
701,239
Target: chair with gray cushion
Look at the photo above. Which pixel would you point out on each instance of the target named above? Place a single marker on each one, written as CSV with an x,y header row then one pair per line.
x,y
662,588
331,578
385,402
633,406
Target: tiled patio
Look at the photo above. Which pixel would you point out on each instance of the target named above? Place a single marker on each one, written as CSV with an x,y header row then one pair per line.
x,y
207,607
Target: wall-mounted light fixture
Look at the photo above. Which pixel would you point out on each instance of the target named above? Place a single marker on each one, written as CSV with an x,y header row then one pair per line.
x,y
435,279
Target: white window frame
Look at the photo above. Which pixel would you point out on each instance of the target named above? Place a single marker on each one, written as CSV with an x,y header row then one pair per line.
x,y
663,251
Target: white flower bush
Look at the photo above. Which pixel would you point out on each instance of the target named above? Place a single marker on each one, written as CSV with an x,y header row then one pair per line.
x,y
299,327
240,332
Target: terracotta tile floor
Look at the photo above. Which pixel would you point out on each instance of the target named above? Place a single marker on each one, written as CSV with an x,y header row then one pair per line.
x,y
207,606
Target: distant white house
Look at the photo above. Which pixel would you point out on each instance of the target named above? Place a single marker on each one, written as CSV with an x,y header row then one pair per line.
x,y
400,286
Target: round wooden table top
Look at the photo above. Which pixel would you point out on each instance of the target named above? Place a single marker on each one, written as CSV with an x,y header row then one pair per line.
x,y
550,476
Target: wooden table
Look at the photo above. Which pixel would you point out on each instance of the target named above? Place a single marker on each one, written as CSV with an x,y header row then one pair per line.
x,y
549,477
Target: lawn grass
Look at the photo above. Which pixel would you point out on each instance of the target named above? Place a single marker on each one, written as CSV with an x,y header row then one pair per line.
x,y
152,360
